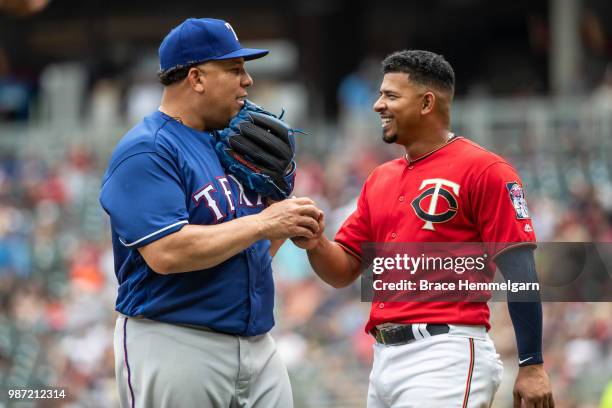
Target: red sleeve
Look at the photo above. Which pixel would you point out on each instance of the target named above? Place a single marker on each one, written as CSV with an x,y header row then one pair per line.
x,y
356,229
500,209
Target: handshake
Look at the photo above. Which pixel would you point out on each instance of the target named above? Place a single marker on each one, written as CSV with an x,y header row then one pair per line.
x,y
296,218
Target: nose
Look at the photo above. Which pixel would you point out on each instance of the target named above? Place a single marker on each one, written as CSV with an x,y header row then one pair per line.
x,y
246,80
379,105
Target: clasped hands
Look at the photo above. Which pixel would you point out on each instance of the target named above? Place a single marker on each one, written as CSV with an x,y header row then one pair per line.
x,y
296,218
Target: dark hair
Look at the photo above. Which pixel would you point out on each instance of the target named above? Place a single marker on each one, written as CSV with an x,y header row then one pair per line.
x,y
423,67
175,74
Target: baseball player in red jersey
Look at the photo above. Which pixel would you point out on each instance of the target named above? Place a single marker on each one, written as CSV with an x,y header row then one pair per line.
x,y
445,189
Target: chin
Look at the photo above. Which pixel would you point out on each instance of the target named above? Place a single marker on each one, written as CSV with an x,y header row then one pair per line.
x,y
217,124
230,114
389,139
233,113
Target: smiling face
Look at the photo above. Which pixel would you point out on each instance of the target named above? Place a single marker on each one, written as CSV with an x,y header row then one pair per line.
x,y
223,88
400,107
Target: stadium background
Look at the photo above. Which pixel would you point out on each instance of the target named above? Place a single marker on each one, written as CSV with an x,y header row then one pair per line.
x,y
534,83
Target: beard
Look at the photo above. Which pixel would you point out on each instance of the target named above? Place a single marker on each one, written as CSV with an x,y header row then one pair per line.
x,y
389,139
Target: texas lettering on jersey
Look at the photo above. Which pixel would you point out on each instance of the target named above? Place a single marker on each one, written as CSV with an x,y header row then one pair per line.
x,y
161,177
209,194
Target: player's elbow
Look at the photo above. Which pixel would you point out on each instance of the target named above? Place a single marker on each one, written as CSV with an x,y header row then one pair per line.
x,y
162,265
162,256
339,281
160,262
349,274
339,270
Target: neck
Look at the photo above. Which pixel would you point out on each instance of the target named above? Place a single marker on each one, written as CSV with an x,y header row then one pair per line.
x,y
173,106
426,142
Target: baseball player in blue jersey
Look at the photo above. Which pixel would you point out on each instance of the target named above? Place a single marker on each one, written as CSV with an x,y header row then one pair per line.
x,y
192,245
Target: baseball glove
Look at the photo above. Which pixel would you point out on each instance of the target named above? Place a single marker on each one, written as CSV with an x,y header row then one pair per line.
x,y
258,148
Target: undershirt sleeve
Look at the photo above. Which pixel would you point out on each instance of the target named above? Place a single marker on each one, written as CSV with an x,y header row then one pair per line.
x,y
518,265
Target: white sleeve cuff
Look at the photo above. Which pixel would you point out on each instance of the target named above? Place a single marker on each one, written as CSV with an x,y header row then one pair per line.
x,y
159,231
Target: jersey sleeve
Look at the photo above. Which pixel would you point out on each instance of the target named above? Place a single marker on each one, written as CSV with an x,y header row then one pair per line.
x,y
500,209
145,199
356,229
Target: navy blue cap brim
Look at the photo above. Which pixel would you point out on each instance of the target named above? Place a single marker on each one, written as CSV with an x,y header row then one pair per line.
x,y
246,53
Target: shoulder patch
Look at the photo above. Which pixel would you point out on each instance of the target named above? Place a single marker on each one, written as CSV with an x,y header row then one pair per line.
x,y
517,197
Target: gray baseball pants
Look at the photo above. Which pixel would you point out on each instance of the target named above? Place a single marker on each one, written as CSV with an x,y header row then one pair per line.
x,y
160,365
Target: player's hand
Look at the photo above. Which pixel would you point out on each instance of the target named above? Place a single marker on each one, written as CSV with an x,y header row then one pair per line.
x,y
309,243
289,218
532,388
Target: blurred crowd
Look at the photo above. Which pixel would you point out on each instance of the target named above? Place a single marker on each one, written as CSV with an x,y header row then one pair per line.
x,y
56,277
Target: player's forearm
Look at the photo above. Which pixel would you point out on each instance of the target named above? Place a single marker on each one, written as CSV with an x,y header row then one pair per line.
x,y
518,265
197,247
332,264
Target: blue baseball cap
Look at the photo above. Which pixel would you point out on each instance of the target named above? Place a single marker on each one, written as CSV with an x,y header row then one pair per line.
x,y
197,40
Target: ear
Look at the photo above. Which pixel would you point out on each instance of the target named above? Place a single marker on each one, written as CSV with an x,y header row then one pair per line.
x,y
197,80
429,101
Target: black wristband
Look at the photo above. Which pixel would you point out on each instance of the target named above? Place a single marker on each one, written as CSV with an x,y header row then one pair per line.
x,y
530,359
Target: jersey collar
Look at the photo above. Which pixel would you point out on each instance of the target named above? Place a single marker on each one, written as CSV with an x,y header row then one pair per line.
x,y
451,138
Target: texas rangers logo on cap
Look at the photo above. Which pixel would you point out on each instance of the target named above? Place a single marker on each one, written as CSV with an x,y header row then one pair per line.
x,y
434,212
517,197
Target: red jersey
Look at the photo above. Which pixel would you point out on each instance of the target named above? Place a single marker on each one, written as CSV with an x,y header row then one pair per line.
x,y
457,193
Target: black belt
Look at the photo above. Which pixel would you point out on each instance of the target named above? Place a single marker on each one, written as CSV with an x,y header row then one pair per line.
x,y
402,334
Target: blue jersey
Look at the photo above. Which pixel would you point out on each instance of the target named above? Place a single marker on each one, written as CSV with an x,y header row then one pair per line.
x,y
162,176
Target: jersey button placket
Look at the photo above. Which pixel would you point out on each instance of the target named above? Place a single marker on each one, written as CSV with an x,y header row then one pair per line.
x,y
252,279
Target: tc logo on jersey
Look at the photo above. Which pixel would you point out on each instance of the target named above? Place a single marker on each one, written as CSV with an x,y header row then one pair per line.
x,y
430,209
517,196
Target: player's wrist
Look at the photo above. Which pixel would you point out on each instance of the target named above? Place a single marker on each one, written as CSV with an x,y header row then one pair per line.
x,y
532,371
532,368
318,246
259,225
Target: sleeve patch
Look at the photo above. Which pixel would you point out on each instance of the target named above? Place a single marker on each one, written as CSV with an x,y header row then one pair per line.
x,y
517,197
